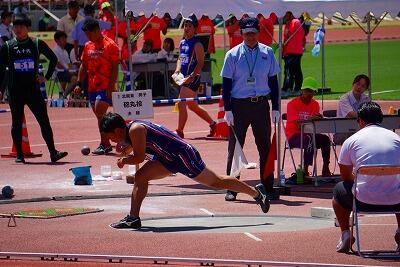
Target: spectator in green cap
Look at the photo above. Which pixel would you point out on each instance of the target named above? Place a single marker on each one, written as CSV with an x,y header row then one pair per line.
x,y
304,107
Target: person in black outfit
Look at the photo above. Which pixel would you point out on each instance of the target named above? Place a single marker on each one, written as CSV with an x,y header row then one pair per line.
x,y
21,56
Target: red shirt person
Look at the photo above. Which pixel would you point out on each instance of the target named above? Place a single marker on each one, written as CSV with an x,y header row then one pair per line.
x,y
122,33
107,14
267,29
100,60
292,52
304,107
233,29
205,25
153,30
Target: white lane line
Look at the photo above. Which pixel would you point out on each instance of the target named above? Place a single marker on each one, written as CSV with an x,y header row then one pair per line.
x,y
88,141
252,236
52,121
378,224
383,92
60,143
207,212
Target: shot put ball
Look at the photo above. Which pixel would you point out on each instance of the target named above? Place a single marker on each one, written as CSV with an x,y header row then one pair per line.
x,y
7,191
85,150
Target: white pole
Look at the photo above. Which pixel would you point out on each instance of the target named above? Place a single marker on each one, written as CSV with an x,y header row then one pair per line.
x,y
116,21
129,16
45,10
369,52
224,37
278,134
323,61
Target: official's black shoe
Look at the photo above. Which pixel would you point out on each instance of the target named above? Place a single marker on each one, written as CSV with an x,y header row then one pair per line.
x,y
57,155
262,198
129,222
230,196
19,159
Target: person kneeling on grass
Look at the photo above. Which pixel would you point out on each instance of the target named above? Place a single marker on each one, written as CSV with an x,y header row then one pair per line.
x,y
167,153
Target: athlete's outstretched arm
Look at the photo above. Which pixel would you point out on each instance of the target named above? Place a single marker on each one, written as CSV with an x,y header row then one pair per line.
x,y
137,135
49,54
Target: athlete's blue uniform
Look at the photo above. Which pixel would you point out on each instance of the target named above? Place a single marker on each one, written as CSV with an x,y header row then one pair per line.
x,y
188,60
170,150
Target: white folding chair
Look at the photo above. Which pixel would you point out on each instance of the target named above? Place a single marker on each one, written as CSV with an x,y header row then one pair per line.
x,y
380,170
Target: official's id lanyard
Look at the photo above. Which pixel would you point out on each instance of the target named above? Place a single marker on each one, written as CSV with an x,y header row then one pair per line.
x,y
251,80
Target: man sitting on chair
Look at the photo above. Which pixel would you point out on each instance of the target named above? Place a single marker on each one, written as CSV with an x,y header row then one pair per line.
x,y
304,107
372,144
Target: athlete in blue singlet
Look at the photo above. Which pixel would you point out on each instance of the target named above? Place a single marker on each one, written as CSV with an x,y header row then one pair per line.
x,y
166,153
190,63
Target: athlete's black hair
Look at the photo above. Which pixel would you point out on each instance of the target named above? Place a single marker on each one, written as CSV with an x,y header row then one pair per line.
x,y
90,25
110,122
59,34
370,112
22,19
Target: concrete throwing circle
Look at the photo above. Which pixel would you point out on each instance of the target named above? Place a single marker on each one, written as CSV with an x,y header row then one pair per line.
x,y
233,224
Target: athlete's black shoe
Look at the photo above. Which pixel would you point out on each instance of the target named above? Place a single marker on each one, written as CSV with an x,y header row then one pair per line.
x,y
262,198
102,150
57,155
128,222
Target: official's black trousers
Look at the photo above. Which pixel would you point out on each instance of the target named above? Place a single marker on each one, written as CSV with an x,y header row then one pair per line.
x,y
34,100
248,112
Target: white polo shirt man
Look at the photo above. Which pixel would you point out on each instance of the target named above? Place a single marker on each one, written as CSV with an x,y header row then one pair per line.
x,y
374,144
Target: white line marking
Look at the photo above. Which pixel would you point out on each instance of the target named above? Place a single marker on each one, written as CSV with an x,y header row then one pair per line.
x,y
88,141
60,143
383,92
52,121
378,224
207,212
252,236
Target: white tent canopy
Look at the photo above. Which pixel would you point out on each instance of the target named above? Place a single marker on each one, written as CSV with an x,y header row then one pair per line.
x,y
226,7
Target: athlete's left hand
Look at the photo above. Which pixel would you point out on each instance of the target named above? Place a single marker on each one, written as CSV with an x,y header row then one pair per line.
x,y
120,163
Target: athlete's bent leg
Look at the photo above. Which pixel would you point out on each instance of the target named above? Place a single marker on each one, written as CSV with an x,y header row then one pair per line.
x,y
100,108
183,115
151,170
211,179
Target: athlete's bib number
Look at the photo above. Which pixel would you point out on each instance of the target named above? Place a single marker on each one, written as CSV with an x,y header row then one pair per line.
x,y
184,59
24,65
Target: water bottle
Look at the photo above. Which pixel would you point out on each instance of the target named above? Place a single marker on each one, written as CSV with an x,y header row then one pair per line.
x,y
282,179
316,49
318,38
299,175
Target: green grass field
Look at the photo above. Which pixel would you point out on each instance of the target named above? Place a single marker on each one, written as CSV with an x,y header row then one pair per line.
x,y
343,62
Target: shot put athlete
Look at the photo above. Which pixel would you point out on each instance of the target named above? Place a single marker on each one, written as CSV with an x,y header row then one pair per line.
x,y
167,153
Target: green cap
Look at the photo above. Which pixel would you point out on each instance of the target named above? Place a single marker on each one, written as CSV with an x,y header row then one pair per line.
x,y
310,83
105,5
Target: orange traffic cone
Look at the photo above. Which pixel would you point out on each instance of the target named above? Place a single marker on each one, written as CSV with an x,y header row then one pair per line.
x,y
222,129
26,149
